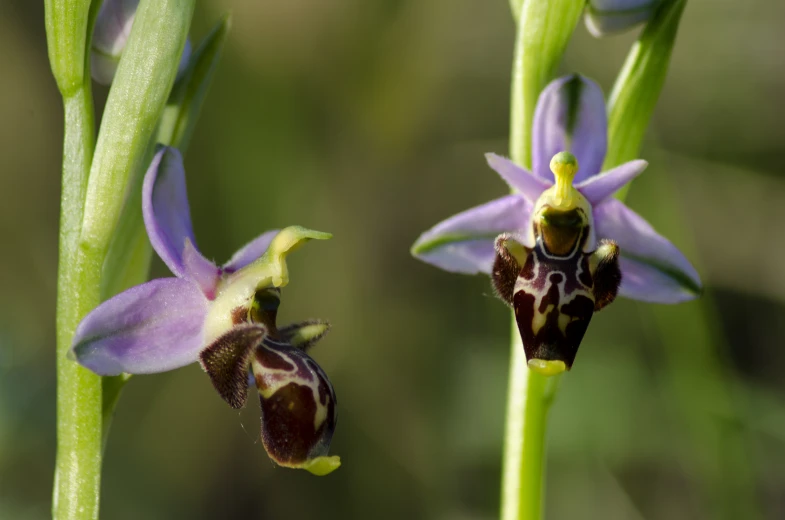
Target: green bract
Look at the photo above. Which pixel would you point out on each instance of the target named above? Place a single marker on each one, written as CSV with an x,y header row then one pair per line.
x,y
637,89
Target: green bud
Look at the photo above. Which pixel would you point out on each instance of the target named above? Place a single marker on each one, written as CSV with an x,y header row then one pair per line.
x,y
638,86
67,23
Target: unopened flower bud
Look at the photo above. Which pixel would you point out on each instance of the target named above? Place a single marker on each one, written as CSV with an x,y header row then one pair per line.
x,y
605,17
112,28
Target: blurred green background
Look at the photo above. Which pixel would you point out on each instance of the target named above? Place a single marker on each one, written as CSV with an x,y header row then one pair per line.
x,y
369,119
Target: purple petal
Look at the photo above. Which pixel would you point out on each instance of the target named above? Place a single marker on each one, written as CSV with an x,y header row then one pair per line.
x,y
658,271
648,284
153,327
605,17
200,270
518,178
597,188
570,117
464,243
250,251
167,216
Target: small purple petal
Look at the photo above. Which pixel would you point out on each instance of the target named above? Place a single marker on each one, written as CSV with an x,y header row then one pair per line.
x,y
518,178
597,188
671,277
570,117
200,270
464,243
606,17
250,251
167,216
153,327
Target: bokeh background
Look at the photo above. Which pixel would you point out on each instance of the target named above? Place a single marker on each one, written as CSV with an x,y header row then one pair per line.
x,y
369,119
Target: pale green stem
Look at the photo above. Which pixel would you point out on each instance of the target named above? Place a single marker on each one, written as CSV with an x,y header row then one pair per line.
x,y
544,29
528,403
78,465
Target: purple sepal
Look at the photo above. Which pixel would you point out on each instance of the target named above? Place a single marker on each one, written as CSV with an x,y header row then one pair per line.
x,y
199,270
597,188
530,186
167,217
153,327
659,272
570,117
464,242
250,251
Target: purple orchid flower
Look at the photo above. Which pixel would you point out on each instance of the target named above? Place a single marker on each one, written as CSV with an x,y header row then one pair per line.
x,y
223,317
579,235
606,17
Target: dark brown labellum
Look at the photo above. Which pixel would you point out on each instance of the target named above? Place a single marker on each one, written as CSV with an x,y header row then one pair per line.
x,y
554,296
298,404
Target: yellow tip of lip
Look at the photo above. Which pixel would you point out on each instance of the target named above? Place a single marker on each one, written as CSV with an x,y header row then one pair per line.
x,y
547,367
321,466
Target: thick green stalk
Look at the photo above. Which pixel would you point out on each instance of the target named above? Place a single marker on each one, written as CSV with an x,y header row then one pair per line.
x,y
544,29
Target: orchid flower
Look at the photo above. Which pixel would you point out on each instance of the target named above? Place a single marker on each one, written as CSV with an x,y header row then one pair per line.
x,y
561,247
223,317
606,17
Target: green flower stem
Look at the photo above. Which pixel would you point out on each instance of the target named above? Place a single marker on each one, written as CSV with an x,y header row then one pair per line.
x,y
78,465
529,401
544,29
